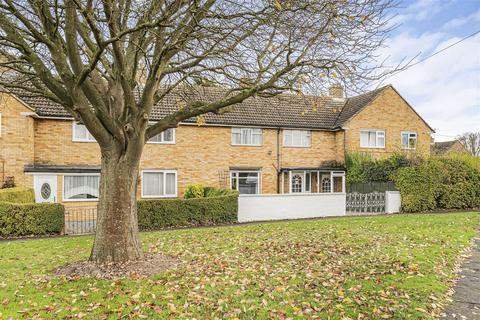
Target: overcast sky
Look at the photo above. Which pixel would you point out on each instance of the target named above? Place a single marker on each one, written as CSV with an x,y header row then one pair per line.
x,y
445,89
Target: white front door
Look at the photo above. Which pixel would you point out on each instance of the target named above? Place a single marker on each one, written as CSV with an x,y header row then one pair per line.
x,y
45,188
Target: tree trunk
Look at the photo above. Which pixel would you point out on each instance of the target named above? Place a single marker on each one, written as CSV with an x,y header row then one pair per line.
x,y
117,238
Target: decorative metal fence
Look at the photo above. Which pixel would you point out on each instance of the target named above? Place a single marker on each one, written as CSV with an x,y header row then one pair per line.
x,y
373,202
80,220
369,187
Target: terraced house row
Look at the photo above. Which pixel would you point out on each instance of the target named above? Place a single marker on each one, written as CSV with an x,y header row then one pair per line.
x,y
286,144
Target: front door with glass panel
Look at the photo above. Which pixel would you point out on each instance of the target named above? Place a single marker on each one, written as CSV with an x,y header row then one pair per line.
x,y
45,188
301,182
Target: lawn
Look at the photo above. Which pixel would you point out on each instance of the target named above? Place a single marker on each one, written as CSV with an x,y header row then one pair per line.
x,y
345,268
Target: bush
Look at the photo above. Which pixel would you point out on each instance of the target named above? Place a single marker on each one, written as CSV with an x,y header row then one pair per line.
x,y
17,195
216,192
439,183
194,191
167,213
361,167
31,219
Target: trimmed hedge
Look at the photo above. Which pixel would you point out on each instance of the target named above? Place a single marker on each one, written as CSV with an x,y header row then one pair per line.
x,y
362,167
194,191
168,213
30,219
17,195
439,183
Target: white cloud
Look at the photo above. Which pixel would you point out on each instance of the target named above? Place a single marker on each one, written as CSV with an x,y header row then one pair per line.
x,y
445,89
461,21
418,11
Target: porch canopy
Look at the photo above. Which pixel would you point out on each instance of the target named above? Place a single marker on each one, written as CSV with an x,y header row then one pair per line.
x,y
312,180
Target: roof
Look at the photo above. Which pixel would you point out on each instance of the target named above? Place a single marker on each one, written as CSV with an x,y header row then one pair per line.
x,y
284,110
445,146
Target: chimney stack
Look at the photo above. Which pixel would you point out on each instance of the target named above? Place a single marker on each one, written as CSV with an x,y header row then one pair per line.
x,y
336,91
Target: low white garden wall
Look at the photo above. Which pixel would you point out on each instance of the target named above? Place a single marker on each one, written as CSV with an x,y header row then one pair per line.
x,y
393,201
263,207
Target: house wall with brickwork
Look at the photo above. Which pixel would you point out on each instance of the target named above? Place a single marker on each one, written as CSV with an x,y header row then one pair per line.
x,y
201,154
16,140
388,112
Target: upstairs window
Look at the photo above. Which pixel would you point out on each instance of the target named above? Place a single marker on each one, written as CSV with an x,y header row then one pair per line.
x,y
246,136
80,133
165,137
296,138
372,139
409,140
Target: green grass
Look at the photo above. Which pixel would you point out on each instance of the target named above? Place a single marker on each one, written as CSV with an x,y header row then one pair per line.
x,y
347,268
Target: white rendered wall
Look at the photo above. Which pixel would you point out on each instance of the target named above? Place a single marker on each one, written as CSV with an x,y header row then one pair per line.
x,y
263,207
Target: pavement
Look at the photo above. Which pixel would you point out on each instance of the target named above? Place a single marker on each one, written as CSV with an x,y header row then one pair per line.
x,y
466,299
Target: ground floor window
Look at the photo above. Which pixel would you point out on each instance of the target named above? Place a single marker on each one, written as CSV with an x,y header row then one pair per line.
x,y
326,184
159,183
81,187
245,182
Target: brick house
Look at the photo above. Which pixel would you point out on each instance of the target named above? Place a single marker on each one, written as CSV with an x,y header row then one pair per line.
x,y
286,144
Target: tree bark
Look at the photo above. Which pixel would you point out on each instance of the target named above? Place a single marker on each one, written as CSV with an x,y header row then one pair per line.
x,y
117,238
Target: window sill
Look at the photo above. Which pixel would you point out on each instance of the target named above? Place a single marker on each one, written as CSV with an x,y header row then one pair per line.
x,y
160,197
363,147
148,142
85,141
296,147
79,200
246,145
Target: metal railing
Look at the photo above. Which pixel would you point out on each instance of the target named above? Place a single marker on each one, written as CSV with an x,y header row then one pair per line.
x,y
373,202
80,220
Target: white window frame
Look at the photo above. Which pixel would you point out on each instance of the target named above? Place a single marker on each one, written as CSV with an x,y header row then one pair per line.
x,y
89,138
259,184
251,139
64,199
408,140
164,184
377,132
308,136
161,134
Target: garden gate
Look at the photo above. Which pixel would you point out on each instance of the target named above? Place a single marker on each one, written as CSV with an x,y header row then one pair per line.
x,y
80,220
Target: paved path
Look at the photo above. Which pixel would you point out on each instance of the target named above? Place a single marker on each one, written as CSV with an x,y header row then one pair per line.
x,y
466,299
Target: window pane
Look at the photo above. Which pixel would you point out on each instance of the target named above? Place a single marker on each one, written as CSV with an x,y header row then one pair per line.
x,y
380,139
80,132
287,137
168,135
170,184
371,139
364,138
157,138
246,136
81,187
153,184
405,140
306,139
307,182
297,138
257,139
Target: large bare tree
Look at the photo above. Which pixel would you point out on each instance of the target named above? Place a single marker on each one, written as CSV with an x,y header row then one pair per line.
x,y
109,62
471,142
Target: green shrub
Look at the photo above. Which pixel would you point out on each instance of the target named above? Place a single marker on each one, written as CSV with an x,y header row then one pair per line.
x,y
31,219
17,195
167,213
443,183
361,167
217,192
194,191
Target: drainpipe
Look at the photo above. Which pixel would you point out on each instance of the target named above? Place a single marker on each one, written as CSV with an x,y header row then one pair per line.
x,y
278,161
